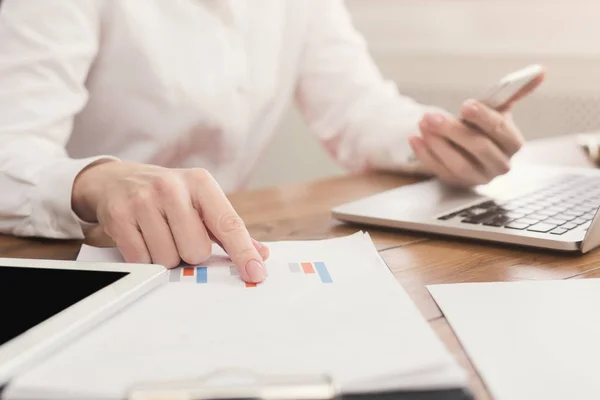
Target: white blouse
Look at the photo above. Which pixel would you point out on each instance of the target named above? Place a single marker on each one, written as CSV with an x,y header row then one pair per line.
x,y
179,83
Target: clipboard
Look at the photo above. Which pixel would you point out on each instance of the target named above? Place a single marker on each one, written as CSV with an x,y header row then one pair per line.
x,y
254,386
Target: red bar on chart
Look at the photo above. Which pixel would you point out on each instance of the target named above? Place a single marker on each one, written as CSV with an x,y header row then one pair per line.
x,y
188,271
250,284
307,268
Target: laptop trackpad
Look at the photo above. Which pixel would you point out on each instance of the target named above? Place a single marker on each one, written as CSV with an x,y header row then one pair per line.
x,y
434,197
413,202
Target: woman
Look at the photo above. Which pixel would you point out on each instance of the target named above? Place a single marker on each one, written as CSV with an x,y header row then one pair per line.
x,y
136,117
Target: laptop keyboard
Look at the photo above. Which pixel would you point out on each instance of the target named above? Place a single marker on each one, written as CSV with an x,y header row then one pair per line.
x,y
567,203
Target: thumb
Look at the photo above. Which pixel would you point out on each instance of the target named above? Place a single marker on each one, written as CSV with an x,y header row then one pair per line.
x,y
262,249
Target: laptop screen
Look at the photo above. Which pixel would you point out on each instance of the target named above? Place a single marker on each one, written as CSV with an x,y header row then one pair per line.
x,y
29,296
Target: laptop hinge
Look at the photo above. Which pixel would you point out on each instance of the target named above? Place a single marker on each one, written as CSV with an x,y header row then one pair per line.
x,y
592,236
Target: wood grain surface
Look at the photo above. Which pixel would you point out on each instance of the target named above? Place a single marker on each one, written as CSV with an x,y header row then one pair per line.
x,y
302,211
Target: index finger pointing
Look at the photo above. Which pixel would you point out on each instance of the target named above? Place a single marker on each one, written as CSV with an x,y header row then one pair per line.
x,y
226,225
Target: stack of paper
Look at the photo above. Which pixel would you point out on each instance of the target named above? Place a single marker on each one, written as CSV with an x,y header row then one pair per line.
x,y
531,339
329,307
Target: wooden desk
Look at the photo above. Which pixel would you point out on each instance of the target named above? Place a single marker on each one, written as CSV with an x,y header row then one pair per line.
x,y
302,212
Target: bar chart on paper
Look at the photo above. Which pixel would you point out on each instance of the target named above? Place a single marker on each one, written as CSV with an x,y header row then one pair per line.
x,y
223,271
310,268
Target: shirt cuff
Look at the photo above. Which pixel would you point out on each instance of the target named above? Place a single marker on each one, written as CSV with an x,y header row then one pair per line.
x,y
53,212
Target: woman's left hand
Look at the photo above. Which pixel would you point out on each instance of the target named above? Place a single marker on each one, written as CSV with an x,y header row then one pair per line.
x,y
474,150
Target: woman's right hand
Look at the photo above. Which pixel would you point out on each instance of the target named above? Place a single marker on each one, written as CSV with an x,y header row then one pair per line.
x,y
163,216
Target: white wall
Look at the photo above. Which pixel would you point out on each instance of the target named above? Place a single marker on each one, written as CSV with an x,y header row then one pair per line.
x,y
442,51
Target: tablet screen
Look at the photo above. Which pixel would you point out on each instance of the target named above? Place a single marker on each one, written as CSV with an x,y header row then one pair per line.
x,y
29,296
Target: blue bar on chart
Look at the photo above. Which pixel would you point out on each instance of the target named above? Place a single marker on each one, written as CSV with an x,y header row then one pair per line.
x,y
323,273
294,267
175,275
201,275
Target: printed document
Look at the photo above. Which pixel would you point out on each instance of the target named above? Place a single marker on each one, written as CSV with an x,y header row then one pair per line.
x,y
327,307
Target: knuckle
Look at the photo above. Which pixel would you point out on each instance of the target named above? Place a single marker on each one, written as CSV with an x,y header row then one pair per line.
x,y
505,167
199,176
230,222
165,186
116,213
141,198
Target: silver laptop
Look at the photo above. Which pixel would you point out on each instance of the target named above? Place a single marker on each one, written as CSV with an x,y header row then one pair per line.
x,y
544,207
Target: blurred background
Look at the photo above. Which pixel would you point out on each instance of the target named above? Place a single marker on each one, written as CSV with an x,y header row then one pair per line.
x,y
445,51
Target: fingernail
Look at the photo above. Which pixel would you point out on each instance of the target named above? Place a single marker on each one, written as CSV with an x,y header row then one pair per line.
x,y
257,244
434,120
264,252
255,271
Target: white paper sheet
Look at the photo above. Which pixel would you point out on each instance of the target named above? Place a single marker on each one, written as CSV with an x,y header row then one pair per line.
x,y
529,340
356,323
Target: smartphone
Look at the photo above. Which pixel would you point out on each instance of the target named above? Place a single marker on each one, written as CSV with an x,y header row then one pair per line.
x,y
503,91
